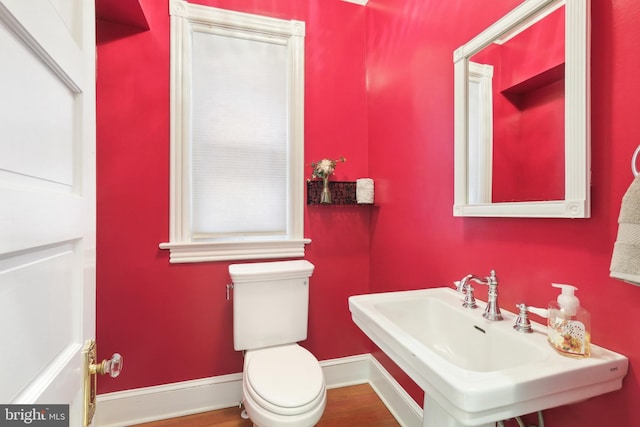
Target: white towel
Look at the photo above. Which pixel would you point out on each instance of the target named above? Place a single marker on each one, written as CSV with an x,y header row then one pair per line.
x,y
625,261
364,190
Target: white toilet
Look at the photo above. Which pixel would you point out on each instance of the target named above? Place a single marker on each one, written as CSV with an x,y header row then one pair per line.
x,y
282,382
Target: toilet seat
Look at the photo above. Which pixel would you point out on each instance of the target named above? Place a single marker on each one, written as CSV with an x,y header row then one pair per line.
x,y
284,380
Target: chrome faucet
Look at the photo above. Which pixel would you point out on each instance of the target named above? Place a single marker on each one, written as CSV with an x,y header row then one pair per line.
x,y
492,310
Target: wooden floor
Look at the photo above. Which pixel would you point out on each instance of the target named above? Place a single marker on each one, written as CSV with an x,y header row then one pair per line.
x,y
350,406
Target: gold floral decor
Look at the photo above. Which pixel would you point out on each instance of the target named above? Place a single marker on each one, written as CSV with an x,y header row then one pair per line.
x,y
323,169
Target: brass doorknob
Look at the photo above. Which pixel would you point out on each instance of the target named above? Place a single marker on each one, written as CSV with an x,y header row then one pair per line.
x,y
113,366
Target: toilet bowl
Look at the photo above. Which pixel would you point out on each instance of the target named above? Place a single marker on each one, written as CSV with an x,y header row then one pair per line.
x,y
282,382
283,386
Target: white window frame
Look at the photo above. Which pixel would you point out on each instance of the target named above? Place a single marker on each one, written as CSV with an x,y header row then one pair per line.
x,y
187,18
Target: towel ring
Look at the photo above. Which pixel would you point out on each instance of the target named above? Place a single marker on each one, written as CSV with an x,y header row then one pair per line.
x,y
634,168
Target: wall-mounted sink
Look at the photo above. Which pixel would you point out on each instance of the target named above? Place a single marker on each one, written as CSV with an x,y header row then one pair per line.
x,y
474,371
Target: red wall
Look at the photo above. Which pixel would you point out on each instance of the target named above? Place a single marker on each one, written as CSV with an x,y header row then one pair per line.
x,y
172,322
415,240
528,90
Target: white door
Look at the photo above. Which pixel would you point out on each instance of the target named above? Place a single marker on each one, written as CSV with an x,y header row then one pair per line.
x,y
47,200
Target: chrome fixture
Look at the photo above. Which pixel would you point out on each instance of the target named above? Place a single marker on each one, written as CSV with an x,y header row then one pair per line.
x,y
469,300
522,321
492,310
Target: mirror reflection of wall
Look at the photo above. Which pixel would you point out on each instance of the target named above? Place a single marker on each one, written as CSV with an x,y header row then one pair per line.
x,y
527,120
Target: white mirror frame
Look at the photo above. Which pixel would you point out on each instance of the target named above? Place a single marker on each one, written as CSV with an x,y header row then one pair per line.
x,y
577,115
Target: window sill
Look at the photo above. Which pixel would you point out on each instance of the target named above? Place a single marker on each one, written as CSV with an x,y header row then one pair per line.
x,y
230,251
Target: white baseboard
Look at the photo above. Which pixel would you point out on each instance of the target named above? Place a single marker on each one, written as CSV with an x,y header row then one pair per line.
x,y
190,397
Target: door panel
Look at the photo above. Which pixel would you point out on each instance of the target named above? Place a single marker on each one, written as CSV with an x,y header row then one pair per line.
x,y
31,86
37,314
47,200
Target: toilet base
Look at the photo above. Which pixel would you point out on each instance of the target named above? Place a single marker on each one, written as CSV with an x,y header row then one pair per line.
x,y
262,418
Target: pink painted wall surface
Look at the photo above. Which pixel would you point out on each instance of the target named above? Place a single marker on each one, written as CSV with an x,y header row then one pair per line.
x,y
393,120
415,240
172,322
528,89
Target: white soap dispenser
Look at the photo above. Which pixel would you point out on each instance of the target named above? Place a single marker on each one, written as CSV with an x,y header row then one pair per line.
x,y
569,325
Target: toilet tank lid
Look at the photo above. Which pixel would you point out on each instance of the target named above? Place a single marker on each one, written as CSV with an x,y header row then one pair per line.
x,y
276,270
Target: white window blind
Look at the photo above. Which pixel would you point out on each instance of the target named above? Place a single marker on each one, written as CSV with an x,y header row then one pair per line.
x,y
239,155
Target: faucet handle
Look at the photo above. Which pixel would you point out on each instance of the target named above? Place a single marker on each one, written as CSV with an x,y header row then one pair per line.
x,y
542,312
459,286
469,299
522,321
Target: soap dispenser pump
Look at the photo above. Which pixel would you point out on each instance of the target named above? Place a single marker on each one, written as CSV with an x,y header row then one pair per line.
x,y
569,324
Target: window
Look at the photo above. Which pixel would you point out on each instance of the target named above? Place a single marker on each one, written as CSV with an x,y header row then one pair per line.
x,y
237,163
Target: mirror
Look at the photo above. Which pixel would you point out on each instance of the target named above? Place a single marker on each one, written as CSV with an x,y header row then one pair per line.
x,y
522,137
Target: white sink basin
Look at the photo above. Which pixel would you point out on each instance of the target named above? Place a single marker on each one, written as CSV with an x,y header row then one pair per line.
x,y
477,371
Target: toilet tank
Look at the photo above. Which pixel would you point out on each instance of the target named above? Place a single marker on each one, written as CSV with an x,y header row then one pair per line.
x,y
270,303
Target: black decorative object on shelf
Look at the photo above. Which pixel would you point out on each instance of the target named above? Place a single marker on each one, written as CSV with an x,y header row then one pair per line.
x,y
342,192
